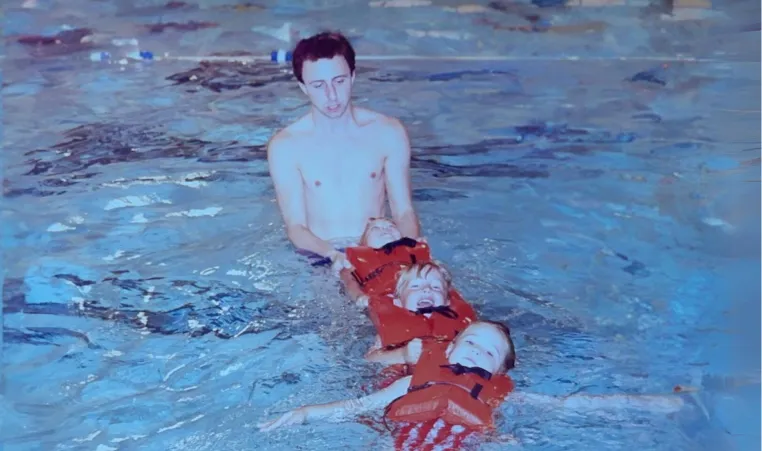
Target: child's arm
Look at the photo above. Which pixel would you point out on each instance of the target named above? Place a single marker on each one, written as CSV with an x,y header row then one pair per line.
x,y
409,353
666,403
340,410
353,288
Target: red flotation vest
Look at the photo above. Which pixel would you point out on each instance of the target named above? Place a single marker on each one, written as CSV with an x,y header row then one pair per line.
x,y
376,269
436,391
398,325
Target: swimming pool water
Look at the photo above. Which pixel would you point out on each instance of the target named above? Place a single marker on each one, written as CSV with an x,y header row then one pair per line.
x,y
151,300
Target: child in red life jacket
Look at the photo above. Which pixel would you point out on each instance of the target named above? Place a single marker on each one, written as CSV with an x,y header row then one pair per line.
x,y
461,383
381,253
423,304
443,385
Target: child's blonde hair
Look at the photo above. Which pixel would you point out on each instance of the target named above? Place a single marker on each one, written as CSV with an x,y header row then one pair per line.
x,y
364,237
406,275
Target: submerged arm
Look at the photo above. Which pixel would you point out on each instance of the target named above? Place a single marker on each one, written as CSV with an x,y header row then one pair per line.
x,y
666,403
341,410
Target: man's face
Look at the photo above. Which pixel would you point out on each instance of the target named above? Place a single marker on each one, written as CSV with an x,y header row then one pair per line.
x,y
328,84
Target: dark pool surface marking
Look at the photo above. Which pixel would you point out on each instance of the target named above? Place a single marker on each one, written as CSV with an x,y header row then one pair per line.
x,y
233,311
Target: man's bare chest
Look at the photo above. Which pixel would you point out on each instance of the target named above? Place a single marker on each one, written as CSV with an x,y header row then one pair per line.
x,y
348,169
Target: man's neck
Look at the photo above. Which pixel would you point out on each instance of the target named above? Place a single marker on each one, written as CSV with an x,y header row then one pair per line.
x,y
336,125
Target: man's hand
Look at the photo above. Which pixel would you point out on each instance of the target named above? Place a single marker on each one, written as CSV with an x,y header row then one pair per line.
x,y
413,350
362,301
339,261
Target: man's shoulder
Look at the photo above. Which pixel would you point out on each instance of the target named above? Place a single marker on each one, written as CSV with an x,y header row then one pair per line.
x,y
378,120
386,129
286,139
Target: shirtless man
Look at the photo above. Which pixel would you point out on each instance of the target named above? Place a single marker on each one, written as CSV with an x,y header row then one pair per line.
x,y
335,166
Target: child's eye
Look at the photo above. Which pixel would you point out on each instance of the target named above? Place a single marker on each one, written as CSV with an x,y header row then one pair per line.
x,y
469,342
490,354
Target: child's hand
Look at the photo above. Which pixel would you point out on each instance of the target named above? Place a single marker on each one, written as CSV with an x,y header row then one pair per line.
x,y
296,416
413,350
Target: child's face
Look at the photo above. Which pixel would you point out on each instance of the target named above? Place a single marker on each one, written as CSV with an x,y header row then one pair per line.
x,y
380,232
425,290
481,345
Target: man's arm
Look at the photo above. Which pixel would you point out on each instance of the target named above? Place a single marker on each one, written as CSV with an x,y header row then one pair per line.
x,y
341,410
289,192
397,171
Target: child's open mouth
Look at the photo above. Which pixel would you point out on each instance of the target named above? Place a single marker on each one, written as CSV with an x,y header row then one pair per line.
x,y
425,303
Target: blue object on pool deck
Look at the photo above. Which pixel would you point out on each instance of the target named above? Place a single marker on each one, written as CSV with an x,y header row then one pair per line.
x,y
106,56
280,56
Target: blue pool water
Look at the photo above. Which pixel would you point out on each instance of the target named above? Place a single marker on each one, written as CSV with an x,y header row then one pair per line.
x,y
151,300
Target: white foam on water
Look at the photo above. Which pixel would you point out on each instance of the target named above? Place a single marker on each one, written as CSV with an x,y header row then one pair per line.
x,y
135,201
195,213
58,227
129,437
72,220
114,256
719,223
231,369
209,271
180,423
89,438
